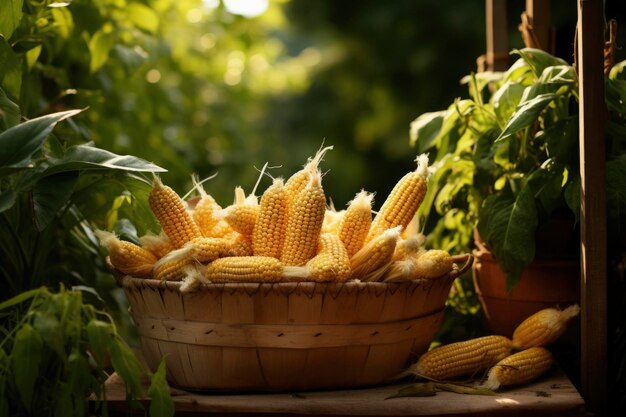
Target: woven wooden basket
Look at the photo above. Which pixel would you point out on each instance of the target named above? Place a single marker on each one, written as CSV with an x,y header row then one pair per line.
x,y
287,336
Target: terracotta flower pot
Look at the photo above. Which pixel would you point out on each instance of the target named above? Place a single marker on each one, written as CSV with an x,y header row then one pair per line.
x,y
544,283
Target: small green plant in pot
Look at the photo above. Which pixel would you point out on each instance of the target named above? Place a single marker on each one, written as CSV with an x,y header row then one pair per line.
x,y
507,172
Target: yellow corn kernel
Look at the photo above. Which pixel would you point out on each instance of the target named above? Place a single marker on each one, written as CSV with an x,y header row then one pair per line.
x,y
371,261
241,215
159,245
331,264
409,247
240,245
304,223
223,230
403,201
462,358
298,181
171,212
271,223
432,264
244,269
203,214
207,249
172,266
331,220
127,257
520,368
356,223
543,327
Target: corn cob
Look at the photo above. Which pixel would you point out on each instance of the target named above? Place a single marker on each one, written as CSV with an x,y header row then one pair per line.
x,y
432,264
223,230
240,245
159,245
202,213
332,218
371,261
462,358
305,223
520,368
543,327
241,215
355,224
403,201
127,257
271,223
245,269
330,264
411,246
298,181
173,265
172,214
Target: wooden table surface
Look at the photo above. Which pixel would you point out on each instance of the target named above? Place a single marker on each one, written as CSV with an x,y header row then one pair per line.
x,y
554,395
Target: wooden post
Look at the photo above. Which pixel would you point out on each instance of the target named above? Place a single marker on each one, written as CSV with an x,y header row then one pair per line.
x,y
497,57
593,206
538,12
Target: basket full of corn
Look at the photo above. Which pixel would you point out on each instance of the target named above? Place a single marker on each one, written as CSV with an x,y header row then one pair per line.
x,y
283,293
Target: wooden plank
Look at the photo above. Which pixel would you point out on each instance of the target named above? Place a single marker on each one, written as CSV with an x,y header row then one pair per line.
x,y
553,395
497,56
593,206
538,12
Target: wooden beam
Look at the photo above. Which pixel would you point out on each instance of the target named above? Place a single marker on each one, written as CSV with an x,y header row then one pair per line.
x,y
497,57
538,12
593,206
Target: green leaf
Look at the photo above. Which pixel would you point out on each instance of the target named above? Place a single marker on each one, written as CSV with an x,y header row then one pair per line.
x,y
100,45
161,404
506,99
25,359
143,17
559,74
562,140
420,389
100,336
126,230
538,60
518,72
508,223
526,114
32,55
10,70
10,16
63,400
63,21
425,129
615,95
572,196
18,143
10,113
83,157
546,183
127,366
47,325
20,298
7,200
463,389
617,72
50,195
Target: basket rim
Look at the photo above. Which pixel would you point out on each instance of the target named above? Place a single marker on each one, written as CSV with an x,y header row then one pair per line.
x,y
125,281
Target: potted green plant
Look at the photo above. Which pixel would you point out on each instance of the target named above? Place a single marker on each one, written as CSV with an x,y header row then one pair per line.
x,y
507,175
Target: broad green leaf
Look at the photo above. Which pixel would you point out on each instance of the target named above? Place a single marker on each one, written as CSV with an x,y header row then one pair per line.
x,y
425,129
126,230
518,72
419,389
572,196
506,99
161,404
25,359
18,143
143,17
20,298
526,114
100,336
83,157
99,47
559,74
10,113
508,223
562,140
63,21
546,185
79,378
32,55
615,95
63,400
10,16
482,79
50,195
47,325
538,60
463,389
618,72
10,70
127,366
486,168
7,200
132,58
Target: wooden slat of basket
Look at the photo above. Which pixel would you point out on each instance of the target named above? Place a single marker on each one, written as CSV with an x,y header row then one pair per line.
x,y
175,372
384,362
339,313
187,361
393,305
207,365
369,307
282,336
271,307
241,369
237,307
355,358
173,303
153,302
322,365
303,309
151,352
291,362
